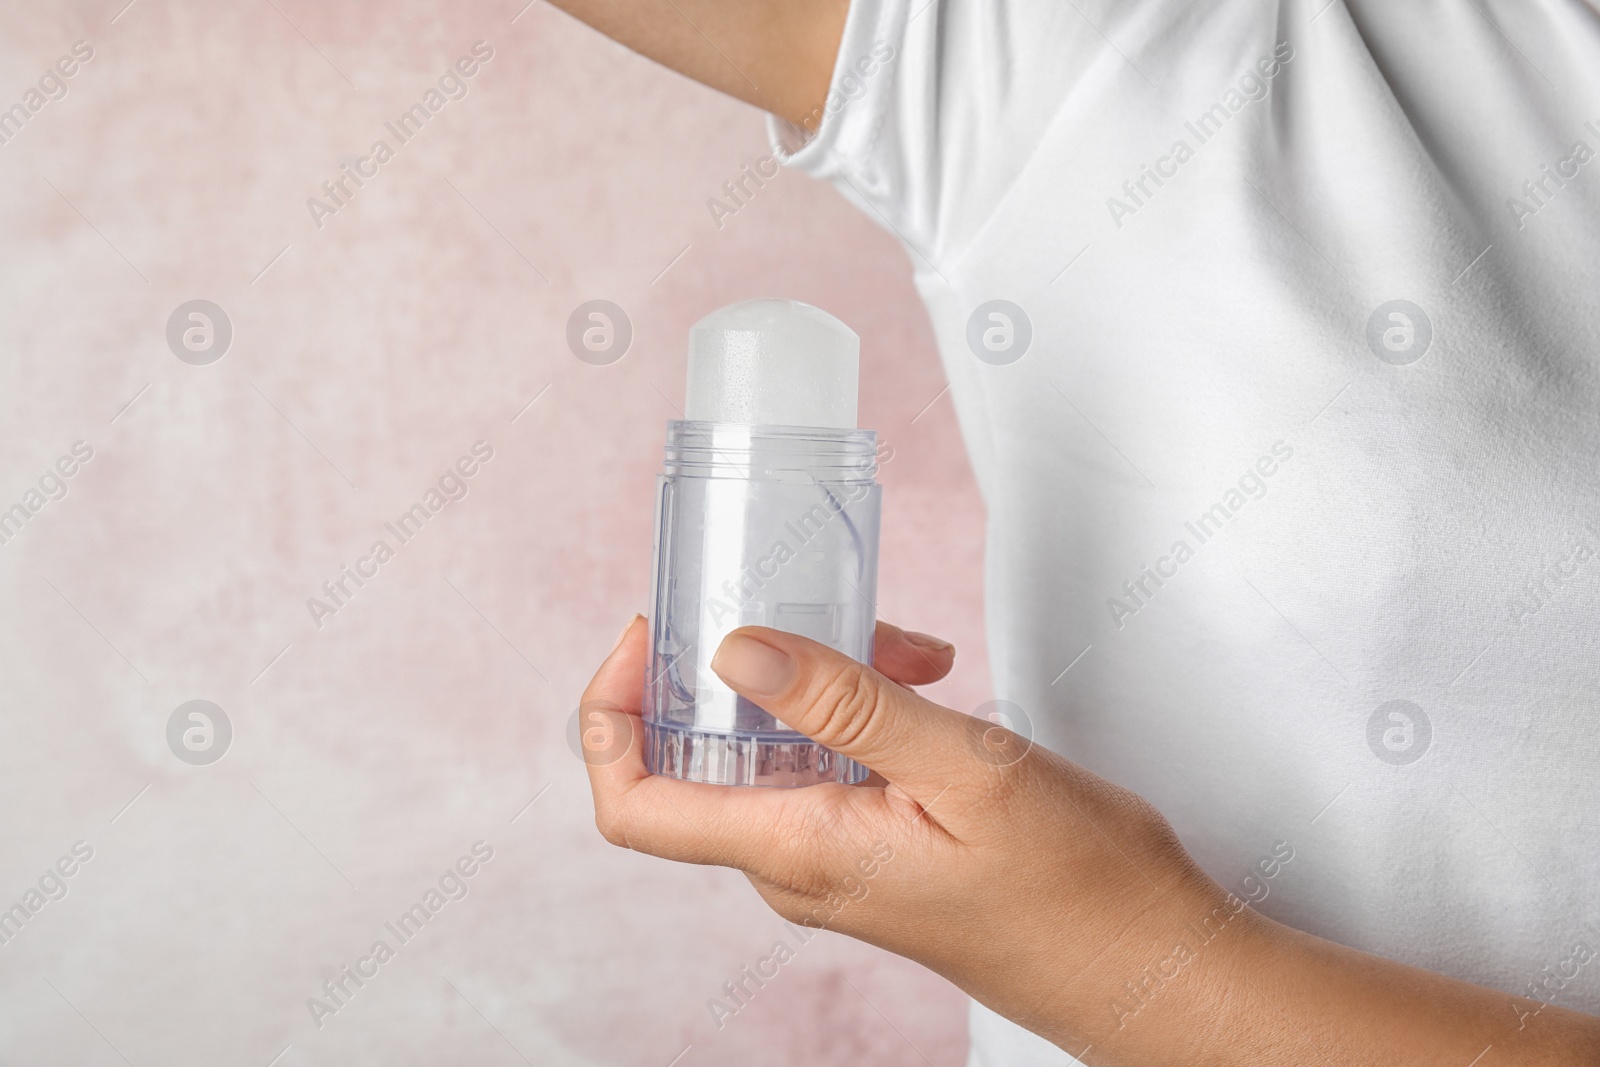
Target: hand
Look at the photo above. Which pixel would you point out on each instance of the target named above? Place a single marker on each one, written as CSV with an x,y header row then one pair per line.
x,y
1052,896
1035,886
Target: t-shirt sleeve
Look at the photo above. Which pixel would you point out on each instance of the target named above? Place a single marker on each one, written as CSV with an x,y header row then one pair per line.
x,y
934,108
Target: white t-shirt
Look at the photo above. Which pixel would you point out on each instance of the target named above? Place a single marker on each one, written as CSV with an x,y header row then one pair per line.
x,y
1288,430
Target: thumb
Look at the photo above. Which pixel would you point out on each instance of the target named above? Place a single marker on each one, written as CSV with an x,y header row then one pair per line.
x,y
849,707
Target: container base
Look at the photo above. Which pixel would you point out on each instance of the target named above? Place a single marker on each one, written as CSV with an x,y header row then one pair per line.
x,y
743,759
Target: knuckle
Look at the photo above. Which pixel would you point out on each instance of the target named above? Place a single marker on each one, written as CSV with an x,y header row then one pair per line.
x,y
1133,818
848,706
611,825
1129,811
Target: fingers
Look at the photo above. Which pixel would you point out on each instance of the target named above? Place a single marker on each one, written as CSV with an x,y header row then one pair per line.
x,y
851,708
911,658
609,727
924,748
687,821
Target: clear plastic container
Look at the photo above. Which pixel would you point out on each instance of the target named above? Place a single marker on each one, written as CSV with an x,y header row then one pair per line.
x,y
755,526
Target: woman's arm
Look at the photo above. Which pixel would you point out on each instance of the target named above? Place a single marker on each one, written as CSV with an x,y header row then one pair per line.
x,y
1058,899
775,54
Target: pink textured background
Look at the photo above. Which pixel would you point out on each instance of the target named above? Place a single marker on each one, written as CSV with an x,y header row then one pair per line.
x,y
421,718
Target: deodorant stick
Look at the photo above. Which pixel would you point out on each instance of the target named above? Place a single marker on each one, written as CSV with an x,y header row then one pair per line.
x,y
766,515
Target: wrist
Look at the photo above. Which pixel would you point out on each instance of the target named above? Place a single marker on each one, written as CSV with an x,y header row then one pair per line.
x,y
1166,986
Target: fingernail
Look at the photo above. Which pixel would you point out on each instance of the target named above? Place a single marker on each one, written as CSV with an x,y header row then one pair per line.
x,y
927,642
625,631
753,667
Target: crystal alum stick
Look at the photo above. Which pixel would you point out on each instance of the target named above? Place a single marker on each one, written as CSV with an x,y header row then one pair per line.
x,y
766,515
